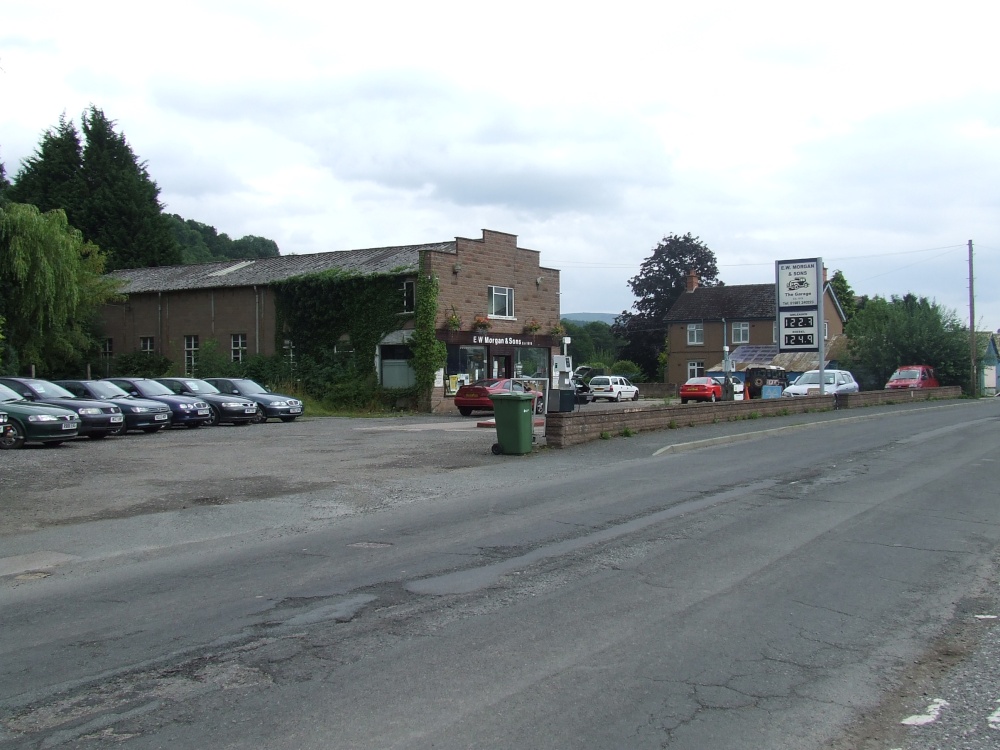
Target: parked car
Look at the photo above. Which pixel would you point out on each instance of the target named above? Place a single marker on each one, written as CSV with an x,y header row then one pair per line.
x,y
269,405
701,389
184,410
140,413
583,394
98,419
225,407
613,388
6,430
476,396
31,422
912,376
834,381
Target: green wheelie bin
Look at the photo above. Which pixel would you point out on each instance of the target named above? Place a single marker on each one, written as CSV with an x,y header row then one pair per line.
x,y
514,415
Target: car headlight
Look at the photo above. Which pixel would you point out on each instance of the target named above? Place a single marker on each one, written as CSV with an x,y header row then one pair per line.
x,y
280,403
42,418
186,407
89,410
139,409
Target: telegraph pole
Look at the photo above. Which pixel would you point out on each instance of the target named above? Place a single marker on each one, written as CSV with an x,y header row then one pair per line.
x,y
974,380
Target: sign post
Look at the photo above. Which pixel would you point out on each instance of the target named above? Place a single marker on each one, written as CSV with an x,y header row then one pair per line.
x,y
799,291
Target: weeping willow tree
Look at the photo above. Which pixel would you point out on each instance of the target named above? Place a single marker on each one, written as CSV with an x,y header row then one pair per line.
x,y
51,288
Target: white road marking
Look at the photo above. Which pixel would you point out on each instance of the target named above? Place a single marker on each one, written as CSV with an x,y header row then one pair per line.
x,y
933,712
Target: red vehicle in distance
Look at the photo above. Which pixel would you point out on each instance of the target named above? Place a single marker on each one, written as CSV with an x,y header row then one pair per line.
x,y
476,397
701,389
912,376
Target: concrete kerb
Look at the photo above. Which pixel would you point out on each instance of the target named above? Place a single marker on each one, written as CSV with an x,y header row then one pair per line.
x,y
745,436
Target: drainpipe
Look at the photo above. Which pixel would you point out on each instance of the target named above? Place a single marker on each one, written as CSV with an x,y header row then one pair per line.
x,y
256,319
159,323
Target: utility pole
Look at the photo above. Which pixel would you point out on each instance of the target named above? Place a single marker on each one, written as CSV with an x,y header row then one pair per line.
x,y
974,379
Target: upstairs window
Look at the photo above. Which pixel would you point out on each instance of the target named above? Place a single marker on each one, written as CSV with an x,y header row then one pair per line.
x,y
501,302
696,334
190,355
146,345
741,333
238,346
409,296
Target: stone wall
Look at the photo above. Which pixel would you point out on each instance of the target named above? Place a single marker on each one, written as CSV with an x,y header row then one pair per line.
x,y
583,425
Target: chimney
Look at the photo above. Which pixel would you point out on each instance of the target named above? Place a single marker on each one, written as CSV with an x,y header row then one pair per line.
x,y
824,276
691,283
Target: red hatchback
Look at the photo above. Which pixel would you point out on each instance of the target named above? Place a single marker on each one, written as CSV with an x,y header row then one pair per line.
x,y
476,397
912,376
701,389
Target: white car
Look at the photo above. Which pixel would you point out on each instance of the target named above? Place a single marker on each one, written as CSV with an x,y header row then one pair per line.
x,y
613,388
737,384
834,381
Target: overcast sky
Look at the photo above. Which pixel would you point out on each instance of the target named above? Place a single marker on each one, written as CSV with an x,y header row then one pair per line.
x,y
864,133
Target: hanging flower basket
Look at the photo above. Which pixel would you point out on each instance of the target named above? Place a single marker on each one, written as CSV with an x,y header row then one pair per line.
x,y
532,326
453,322
482,323
557,330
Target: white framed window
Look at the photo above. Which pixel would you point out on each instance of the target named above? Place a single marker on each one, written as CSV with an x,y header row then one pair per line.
x,y
146,344
108,349
501,302
238,346
409,296
741,333
696,334
190,354
696,368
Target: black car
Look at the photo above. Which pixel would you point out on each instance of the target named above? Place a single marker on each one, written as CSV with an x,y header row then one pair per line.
x,y
225,407
98,419
140,413
184,410
269,405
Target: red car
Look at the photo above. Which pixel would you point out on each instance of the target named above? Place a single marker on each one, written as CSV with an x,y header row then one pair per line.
x,y
476,397
701,389
912,376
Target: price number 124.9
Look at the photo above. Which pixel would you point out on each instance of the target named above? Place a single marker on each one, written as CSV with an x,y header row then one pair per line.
x,y
799,339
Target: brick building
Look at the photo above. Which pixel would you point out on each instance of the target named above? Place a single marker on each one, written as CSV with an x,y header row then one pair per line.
x,y
174,310
743,317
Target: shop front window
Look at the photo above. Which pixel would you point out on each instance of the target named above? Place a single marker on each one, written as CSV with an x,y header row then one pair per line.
x,y
466,364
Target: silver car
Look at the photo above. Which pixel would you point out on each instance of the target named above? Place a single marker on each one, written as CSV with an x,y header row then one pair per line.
x,y
834,381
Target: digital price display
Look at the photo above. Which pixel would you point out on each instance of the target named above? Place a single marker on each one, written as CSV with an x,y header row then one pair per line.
x,y
800,321
800,339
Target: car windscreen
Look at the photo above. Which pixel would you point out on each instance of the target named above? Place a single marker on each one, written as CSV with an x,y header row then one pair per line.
x,y
6,394
107,390
905,375
152,388
200,386
45,389
250,387
809,378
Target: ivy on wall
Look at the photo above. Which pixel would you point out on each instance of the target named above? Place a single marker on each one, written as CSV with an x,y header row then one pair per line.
x,y
429,354
341,311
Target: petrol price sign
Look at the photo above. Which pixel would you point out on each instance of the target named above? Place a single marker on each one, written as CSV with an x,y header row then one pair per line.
x,y
798,331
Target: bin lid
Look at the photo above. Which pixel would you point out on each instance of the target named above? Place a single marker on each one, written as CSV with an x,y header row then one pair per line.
x,y
512,396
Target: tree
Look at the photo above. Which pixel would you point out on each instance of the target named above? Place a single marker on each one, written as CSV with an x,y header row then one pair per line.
x,y
121,208
4,184
845,295
52,178
885,334
660,282
51,288
202,243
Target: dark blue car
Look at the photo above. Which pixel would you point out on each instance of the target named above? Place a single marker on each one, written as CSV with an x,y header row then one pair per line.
x,y
185,410
140,413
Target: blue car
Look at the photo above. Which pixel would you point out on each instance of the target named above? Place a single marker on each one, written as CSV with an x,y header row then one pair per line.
x,y
98,419
140,413
185,410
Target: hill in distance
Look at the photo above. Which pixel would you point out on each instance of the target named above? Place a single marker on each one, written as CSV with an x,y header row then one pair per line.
x,y
586,317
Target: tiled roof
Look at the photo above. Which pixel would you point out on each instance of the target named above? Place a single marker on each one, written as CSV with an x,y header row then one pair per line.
x,y
263,271
737,302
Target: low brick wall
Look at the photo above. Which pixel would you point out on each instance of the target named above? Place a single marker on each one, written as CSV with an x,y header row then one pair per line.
x,y
583,425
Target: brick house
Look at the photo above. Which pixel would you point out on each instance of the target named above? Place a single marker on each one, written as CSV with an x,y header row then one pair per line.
x,y
174,310
743,317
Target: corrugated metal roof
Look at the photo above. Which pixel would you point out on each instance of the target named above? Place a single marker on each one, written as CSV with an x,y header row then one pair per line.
x,y
263,271
761,355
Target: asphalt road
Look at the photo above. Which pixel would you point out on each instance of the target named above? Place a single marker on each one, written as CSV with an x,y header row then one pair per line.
x,y
797,582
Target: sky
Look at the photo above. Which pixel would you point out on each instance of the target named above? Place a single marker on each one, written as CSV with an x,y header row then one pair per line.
x,y
866,134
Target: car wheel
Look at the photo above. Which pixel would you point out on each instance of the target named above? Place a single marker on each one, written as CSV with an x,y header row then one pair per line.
x,y
14,438
712,398
260,417
287,419
465,411
214,418
635,396
539,406
618,396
